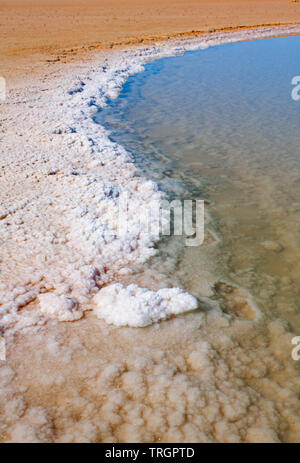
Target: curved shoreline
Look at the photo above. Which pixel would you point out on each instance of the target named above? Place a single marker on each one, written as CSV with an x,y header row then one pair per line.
x,y
85,150
205,377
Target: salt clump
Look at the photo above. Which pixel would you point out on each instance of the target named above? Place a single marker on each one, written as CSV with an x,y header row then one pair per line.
x,y
135,306
61,307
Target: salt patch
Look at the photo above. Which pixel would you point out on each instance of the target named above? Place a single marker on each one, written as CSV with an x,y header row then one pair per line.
x,y
61,307
135,306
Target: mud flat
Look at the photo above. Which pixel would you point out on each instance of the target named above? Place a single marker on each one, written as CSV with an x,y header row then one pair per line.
x,y
206,375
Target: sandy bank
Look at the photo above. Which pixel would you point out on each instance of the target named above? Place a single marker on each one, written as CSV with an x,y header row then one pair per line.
x,y
34,33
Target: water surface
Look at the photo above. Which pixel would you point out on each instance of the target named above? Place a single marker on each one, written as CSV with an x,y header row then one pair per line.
x,y
220,124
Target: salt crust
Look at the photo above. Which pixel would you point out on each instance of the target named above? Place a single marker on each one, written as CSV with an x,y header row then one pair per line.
x,y
62,180
205,377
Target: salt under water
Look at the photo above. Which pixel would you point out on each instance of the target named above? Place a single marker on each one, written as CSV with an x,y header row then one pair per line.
x,y
221,124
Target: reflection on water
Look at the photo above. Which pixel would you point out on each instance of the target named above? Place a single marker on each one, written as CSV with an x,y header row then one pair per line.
x,y
221,124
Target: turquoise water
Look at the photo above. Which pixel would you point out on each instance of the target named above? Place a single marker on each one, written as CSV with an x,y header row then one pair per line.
x,y
220,124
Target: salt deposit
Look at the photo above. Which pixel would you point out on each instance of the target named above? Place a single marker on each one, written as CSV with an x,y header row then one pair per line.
x,y
62,180
136,306
61,307
202,376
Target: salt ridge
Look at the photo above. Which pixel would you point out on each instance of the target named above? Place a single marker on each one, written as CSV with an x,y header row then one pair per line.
x,y
62,237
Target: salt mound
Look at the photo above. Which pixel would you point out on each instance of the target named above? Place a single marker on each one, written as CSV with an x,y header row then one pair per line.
x,y
132,305
60,307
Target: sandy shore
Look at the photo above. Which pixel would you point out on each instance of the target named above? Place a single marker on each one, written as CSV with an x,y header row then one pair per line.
x,y
205,376
34,33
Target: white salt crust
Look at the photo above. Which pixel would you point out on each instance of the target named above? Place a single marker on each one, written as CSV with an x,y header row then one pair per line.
x,y
61,307
135,306
206,376
62,179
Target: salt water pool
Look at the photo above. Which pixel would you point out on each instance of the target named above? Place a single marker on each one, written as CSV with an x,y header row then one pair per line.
x,y
220,124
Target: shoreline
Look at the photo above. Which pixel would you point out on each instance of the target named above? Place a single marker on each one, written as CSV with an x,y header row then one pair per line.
x,y
36,66
69,26
95,157
72,167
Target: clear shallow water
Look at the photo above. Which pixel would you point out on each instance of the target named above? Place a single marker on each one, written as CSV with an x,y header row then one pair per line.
x,y
221,124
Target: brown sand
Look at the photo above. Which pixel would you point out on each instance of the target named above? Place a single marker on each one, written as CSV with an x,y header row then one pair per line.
x,y
33,32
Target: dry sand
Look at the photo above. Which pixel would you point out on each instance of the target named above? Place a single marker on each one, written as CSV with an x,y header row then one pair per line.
x,y
35,31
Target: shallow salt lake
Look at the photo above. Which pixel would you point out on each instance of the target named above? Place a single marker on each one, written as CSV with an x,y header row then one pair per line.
x,y
220,124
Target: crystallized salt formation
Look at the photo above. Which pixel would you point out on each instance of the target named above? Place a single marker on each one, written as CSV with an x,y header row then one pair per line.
x,y
61,307
62,182
136,306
